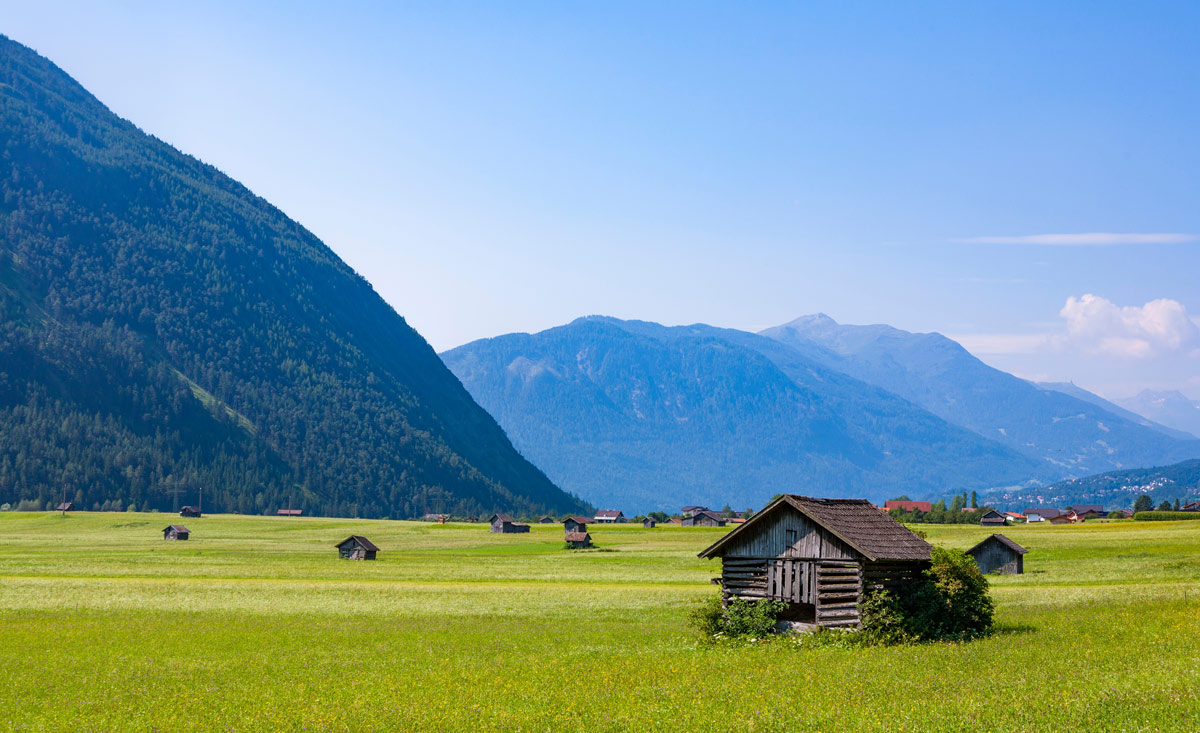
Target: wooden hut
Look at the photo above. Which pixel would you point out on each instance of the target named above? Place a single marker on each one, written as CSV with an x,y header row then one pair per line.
x,y
289,512
66,506
547,520
992,518
176,532
999,554
649,523
704,518
575,524
356,547
189,512
818,555
688,511
504,524
578,540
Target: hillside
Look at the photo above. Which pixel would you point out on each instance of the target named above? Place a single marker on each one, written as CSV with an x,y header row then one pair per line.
x,y
1171,408
1073,436
163,330
645,417
1113,490
1074,390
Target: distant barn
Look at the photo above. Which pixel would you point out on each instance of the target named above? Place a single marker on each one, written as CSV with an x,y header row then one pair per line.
x,y
609,516
547,520
993,518
576,524
289,512
578,540
818,555
704,518
66,506
688,511
356,547
649,523
176,532
190,512
504,524
999,554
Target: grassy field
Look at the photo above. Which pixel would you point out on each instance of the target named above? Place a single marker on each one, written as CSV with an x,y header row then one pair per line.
x,y
254,624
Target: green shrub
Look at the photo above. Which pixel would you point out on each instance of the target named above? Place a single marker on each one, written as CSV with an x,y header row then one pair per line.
x,y
883,620
738,619
951,601
1165,516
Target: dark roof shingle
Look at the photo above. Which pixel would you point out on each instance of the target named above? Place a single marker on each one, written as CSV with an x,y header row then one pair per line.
x,y
363,542
1002,540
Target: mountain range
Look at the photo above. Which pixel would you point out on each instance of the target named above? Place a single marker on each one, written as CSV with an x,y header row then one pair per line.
x,y
644,416
165,331
1111,490
1171,408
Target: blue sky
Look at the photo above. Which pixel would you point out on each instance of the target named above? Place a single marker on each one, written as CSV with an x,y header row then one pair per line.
x,y
493,169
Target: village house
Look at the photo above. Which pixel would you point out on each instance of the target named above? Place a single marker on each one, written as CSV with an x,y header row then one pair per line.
x,y
1087,511
1014,516
575,524
649,523
609,516
999,554
1067,517
356,547
190,512
704,518
992,518
1192,507
504,524
820,556
578,540
908,506
1043,515
176,532
289,512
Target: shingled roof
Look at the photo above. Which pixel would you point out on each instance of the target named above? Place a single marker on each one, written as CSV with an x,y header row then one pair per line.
x,y
1002,540
577,536
857,522
363,542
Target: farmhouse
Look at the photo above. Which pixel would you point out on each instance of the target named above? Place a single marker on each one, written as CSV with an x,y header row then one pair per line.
x,y
1067,517
575,524
1192,507
704,518
189,512
289,512
579,540
176,532
992,517
502,523
908,506
1088,511
999,554
1014,516
818,555
609,516
1042,515
649,523
356,547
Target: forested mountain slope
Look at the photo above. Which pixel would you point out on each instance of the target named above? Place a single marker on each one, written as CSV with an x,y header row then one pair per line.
x,y
163,330
1112,490
1072,435
647,417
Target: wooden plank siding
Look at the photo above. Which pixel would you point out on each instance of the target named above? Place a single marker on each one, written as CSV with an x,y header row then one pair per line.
x,y
791,534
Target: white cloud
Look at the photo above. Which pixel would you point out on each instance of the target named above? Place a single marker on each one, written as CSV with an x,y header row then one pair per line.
x,y
1087,239
1100,327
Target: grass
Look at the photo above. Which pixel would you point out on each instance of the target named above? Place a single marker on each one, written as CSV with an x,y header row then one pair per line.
x,y
256,625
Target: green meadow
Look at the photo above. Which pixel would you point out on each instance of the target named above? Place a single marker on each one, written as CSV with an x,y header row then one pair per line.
x,y
255,624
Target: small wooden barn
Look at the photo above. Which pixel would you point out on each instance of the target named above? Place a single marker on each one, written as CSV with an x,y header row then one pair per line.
x,y
189,512
578,540
547,520
818,555
356,547
993,518
504,524
66,506
704,518
999,554
289,512
576,524
649,523
176,532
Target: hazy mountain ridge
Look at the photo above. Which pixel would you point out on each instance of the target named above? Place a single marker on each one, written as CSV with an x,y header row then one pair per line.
x,y
1171,408
252,361
1112,490
645,417
1074,390
1074,435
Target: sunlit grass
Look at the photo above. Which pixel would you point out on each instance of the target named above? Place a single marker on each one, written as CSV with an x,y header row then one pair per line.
x,y
256,625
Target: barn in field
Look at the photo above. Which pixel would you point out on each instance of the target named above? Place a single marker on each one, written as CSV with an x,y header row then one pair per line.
x,y
289,512
576,524
993,518
356,547
649,523
818,555
504,524
189,512
176,532
547,520
609,516
704,518
999,554
579,540
66,506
